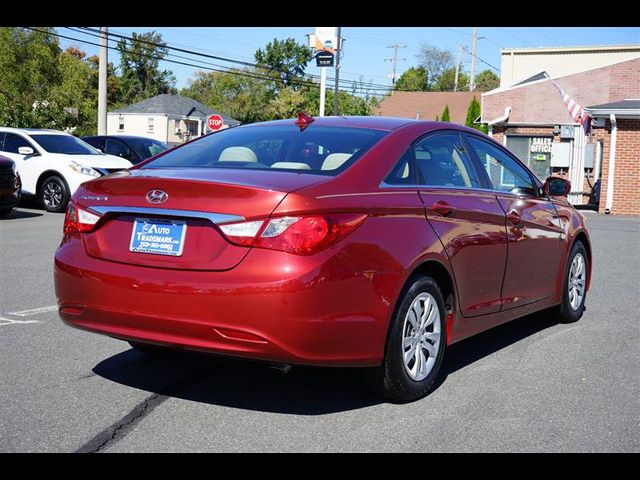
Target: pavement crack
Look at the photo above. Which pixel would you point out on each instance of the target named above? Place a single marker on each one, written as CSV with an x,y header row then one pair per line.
x,y
120,429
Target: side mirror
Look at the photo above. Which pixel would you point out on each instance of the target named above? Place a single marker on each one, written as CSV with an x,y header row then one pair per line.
x,y
25,150
556,187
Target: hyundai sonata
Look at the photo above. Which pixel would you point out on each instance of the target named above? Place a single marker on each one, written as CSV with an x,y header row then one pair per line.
x,y
338,241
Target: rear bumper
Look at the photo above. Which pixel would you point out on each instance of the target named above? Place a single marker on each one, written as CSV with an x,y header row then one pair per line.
x,y
273,306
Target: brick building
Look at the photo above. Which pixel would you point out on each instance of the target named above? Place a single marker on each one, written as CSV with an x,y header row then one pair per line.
x,y
530,117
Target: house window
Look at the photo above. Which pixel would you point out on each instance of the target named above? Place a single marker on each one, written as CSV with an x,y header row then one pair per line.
x,y
150,125
120,124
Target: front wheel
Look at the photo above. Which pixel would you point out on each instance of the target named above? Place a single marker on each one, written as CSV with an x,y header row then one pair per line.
x,y
415,345
54,194
575,285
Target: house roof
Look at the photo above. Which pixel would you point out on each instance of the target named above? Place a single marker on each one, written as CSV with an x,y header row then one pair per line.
x,y
427,105
625,108
175,105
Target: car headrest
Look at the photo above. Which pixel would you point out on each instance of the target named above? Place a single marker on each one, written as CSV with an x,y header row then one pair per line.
x,y
335,160
291,165
237,154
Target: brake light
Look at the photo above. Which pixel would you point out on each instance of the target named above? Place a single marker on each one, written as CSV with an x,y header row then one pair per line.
x,y
78,219
303,235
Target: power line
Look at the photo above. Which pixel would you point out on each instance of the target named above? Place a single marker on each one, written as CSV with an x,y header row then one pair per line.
x,y
515,36
540,32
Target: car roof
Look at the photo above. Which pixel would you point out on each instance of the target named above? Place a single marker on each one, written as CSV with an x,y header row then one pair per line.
x,y
374,122
33,131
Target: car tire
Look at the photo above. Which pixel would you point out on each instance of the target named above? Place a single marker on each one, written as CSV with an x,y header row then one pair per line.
x,y
571,308
4,212
151,350
54,194
396,379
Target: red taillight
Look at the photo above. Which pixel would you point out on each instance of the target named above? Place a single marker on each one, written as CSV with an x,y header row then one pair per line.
x,y
78,219
302,235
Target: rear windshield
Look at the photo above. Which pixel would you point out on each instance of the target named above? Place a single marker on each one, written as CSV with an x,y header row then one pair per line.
x,y
147,147
320,150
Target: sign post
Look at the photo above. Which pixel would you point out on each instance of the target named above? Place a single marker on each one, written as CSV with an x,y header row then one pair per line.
x,y
324,43
214,122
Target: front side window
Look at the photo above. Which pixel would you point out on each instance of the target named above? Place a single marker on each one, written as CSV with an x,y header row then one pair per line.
x,y
119,149
316,149
67,144
504,172
12,142
442,161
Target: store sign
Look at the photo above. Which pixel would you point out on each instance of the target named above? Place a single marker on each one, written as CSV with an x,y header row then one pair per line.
x,y
324,58
541,145
326,38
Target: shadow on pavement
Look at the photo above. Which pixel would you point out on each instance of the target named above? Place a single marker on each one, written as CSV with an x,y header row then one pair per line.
x,y
303,391
16,214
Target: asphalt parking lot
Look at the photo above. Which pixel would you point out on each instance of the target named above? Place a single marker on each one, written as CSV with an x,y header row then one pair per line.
x,y
531,385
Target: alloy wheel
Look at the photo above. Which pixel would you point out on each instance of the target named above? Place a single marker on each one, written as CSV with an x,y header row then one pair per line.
x,y
421,336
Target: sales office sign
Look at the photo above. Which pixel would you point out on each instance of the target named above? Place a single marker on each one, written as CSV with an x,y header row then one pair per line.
x,y
540,148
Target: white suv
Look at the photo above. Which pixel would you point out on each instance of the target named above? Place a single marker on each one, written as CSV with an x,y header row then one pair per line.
x,y
53,164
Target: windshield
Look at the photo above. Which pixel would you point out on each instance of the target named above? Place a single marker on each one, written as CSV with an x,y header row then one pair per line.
x,y
316,149
146,147
67,144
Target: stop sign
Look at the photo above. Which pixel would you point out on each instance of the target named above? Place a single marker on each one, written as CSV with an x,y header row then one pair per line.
x,y
214,122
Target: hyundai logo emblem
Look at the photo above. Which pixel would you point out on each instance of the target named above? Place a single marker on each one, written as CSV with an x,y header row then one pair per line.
x,y
157,196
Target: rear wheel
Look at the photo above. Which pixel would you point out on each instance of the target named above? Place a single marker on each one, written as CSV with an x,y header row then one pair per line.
x,y
415,345
54,194
575,285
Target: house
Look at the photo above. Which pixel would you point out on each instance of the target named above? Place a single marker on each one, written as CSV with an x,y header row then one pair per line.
x,y
531,118
172,119
427,105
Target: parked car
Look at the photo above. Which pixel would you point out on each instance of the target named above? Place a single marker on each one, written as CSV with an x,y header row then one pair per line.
x,y
9,186
394,239
134,149
53,164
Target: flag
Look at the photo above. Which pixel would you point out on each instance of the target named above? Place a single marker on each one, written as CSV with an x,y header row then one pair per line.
x,y
575,110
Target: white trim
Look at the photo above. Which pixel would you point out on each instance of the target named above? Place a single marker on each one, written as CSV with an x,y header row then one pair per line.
x,y
579,48
501,119
612,163
618,112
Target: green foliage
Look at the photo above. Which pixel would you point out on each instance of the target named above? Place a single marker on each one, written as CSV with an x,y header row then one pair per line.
x,y
445,114
473,112
285,60
140,72
487,80
447,80
414,79
434,61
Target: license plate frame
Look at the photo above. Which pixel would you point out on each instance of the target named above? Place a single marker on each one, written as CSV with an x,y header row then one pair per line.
x,y
158,236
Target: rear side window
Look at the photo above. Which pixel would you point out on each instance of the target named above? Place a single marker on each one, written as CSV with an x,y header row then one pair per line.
x,y
442,161
316,149
504,172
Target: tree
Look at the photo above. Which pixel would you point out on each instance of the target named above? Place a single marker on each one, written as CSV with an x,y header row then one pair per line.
x,y
414,79
487,80
445,114
236,93
285,60
140,72
473,112
447,80
435,61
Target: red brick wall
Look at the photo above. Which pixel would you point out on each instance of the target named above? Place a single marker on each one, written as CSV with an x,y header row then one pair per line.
x,y
626,193
541,102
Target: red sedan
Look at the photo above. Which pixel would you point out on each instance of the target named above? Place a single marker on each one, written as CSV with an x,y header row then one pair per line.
x,y
344,241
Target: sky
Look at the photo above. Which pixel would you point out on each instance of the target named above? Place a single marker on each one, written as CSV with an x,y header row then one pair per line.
x,y
365,48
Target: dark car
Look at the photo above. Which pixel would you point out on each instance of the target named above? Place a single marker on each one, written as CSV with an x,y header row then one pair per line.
x,y
135,149
9,186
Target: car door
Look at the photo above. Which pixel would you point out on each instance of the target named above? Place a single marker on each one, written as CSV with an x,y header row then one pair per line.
x,y
533,228
468,220
28,165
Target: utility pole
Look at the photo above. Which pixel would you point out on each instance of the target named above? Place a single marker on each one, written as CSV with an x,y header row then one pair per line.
x,y
455,85
102,83
394,60
323,87
472,72
336,90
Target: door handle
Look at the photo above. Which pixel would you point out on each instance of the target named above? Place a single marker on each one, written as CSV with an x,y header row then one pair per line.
x,y
442,208
514,217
